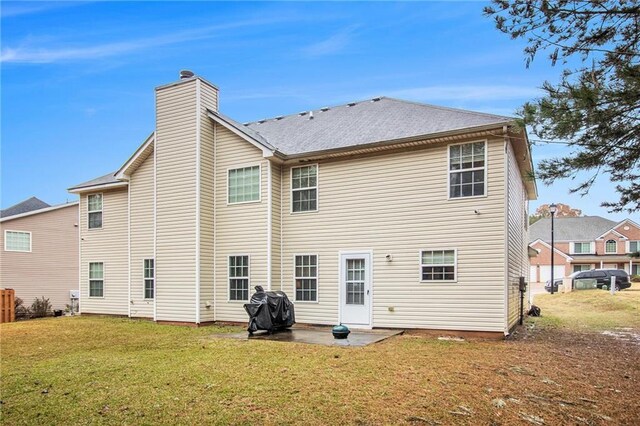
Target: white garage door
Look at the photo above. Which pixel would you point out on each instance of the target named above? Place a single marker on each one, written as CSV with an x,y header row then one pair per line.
x,y
545,272
533,274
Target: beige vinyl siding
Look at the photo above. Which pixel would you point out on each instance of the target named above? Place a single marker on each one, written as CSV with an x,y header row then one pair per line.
x,y
517,257
209,100
398,204
141,234
108,245
176,202
241,229
51,268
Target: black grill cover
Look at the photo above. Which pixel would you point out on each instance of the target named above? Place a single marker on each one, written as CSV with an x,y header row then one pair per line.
x,y
269,310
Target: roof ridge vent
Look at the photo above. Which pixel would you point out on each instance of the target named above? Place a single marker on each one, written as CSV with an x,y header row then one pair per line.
x,y
280,117
376,99
302,113
246,124
324,109
262,121
350,104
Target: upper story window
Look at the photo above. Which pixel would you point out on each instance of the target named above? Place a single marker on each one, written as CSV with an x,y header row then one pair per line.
x,y
467,170
304,189
634,246
17,241
244,185
582,248
611,246
438,265
95,210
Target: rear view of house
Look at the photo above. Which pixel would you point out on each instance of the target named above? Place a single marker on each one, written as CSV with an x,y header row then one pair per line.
x,y
39,256
377,213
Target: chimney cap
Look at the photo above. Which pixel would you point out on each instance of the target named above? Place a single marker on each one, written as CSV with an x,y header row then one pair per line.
x,y
185,74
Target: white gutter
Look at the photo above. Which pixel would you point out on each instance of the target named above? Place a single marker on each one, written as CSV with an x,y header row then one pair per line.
x,y
43,210
198,201
269,224
96,187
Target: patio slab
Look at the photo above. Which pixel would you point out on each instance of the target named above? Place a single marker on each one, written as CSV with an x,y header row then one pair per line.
x,y
317,336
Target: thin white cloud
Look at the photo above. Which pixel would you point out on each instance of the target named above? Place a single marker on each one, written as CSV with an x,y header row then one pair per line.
x,y
460,93
331,45
49,54
11,9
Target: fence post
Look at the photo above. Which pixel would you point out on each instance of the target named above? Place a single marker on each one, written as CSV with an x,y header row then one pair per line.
x,y
7,305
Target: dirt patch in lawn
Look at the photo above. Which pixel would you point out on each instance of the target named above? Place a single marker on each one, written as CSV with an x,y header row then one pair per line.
x,y
117,371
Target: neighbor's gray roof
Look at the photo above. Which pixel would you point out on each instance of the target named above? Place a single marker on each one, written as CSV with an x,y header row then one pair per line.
x,y
585,228
25,206
102,180
359,123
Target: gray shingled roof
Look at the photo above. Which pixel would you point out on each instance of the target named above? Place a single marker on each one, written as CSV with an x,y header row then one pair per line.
x,y
102,180
25,206
359,123
585,228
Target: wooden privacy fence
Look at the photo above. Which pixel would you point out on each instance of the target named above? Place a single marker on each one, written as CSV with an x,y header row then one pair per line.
x,y
7,305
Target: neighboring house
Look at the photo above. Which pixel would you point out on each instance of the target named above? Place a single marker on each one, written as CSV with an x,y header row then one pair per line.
x,y
39,254
379,213
583,243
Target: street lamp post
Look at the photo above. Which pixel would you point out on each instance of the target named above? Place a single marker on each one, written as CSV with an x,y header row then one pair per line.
x,y
552,210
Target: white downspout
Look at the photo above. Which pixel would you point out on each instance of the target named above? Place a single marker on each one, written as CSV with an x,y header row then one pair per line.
x,y
506,230
129,248
269,224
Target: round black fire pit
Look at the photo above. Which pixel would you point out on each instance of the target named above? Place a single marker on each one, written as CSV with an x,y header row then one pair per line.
x,y
340,331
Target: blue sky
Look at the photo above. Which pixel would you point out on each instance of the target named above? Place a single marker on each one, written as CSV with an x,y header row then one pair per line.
x,y
78,78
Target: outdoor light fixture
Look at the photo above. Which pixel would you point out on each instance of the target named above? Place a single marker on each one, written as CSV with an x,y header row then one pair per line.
x,y
552,210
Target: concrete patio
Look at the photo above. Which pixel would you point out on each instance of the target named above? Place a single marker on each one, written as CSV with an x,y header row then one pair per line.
x,y
317,336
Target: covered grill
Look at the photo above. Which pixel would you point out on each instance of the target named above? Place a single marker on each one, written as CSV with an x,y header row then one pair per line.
x,y
269,310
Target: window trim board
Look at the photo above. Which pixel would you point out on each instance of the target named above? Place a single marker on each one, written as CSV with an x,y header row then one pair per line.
x,y
455,265
22,232
229,300
144,279
486,170
259,200
317,187
101,211
317,277
104,279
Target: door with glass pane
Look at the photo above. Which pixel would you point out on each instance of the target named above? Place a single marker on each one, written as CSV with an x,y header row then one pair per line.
x,y
355,289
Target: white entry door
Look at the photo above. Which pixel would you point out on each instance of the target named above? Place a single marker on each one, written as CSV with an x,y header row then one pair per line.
x,y
355,289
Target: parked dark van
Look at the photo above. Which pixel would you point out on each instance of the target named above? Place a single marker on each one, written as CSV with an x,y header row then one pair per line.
x,y
602,277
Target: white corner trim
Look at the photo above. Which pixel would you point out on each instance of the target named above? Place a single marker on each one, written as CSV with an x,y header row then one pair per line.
x,y
155,218
269,224
506,223
198,142
129,251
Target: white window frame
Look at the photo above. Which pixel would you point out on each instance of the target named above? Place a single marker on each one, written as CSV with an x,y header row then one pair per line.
x,y
628,244
317,188
589,267
145,279
295,277
96,211
6,232
248,277
572,247
104,275
259,200
605,247
485,168
455,265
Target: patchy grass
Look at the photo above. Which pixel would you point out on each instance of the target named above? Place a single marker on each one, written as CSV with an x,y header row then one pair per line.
x,y
594,310
93,370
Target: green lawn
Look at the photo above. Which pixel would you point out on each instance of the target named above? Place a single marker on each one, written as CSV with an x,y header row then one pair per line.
x,y
98,370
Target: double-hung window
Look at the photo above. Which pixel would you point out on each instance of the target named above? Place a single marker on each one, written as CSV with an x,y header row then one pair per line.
x,y
467,170
244,185
17,241
239,277
96,279
306,278
304,187
582,248
438,265
580,268
95,211
611,247
149,278
634,246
